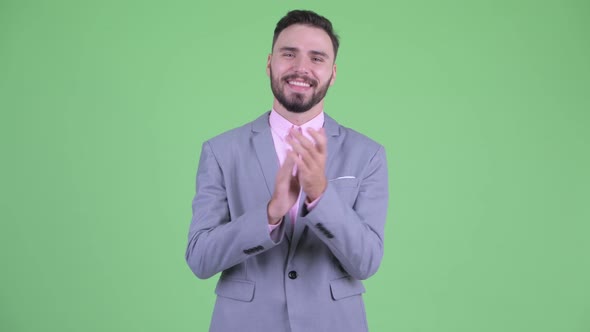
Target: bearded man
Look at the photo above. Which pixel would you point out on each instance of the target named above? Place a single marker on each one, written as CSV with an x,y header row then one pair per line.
x,y
291,207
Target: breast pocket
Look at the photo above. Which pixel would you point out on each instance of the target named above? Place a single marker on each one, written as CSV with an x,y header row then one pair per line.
x,y
346,187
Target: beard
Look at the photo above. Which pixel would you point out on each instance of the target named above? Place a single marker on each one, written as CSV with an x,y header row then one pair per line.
x,y
296,102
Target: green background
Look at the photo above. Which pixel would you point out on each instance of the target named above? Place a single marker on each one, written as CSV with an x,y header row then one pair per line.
x,y
483,107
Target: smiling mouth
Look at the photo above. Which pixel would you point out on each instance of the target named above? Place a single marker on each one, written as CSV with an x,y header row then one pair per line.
x,y
299,83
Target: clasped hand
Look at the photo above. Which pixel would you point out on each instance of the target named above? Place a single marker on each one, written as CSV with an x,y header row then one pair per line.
x,y
310,175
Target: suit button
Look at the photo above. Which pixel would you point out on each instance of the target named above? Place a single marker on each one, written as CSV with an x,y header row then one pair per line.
x,y
292,275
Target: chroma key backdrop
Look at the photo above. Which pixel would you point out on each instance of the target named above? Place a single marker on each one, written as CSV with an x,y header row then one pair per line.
x,y
483,108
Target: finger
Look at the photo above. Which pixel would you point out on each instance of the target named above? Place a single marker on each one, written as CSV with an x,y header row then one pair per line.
x,y
302,167
290,160
308,152
304,141
287,167
293,169
320,138
296,145
304,157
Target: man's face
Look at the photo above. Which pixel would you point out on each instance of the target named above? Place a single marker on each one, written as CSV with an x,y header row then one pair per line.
x,y
301,67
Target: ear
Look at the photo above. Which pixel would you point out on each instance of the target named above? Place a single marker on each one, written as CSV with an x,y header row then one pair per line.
x,y
268,65
333,75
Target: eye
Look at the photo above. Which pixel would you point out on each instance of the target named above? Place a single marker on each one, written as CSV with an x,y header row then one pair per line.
x,y
288,55
317,59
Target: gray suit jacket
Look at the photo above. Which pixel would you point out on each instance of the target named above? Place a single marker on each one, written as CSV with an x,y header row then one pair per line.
x,y
310,279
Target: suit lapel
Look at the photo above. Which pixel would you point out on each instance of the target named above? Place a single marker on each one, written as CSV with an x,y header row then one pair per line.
x,y
265,151
333,136
268,160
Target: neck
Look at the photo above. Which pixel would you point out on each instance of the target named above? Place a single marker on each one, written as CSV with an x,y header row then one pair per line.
x,y
298,118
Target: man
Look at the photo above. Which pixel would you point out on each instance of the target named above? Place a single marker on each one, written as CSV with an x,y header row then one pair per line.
x,y
291,207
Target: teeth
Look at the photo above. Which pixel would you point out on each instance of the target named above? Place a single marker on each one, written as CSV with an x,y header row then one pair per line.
x,y
299,83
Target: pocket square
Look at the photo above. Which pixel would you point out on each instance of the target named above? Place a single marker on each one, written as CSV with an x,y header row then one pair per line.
x,y
343,177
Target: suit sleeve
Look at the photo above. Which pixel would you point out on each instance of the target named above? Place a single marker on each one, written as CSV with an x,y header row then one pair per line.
x,y
217,240
354,233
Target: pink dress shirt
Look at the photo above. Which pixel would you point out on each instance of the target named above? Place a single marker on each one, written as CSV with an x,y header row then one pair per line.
x,y
280,130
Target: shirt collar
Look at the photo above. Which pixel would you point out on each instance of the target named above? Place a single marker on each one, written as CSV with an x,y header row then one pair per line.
x,y
281,126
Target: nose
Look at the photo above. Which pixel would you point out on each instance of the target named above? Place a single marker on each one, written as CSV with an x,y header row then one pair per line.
x,y
301,65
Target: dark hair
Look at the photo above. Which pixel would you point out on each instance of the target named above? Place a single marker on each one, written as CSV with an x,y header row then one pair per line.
x,y
307,17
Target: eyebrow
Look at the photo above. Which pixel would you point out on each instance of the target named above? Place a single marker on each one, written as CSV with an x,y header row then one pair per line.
x,y
320,53
295,49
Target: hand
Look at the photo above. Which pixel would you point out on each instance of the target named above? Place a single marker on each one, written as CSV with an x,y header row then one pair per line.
x,y
286,190
311,164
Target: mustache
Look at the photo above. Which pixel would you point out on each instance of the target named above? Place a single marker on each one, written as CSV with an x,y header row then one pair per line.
x,y
306,79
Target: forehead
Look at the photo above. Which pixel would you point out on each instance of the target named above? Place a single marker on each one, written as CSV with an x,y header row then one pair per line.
x,y
305,38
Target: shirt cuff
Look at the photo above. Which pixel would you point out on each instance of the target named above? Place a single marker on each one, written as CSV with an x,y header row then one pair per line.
x,y
274,235
273,227
311,205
